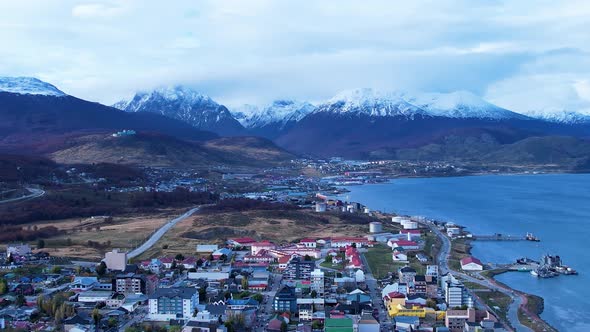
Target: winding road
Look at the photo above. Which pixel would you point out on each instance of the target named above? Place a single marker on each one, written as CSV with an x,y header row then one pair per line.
x,y
443,263
34,193
159,233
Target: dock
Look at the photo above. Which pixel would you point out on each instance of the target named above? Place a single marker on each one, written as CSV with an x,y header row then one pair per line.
x,y
504,237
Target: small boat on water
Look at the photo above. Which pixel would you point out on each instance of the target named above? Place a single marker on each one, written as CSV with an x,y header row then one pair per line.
x,y
535,273
531,237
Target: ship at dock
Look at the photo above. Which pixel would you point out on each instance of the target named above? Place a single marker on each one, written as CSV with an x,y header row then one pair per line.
x,y
552,266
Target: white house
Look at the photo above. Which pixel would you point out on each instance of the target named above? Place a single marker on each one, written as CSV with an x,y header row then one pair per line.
x,y
471,264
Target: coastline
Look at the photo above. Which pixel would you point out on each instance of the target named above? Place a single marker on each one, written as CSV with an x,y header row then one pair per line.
x,y
531,305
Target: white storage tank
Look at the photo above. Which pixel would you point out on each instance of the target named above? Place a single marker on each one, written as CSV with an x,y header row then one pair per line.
x,y
409,224
397,219
375,227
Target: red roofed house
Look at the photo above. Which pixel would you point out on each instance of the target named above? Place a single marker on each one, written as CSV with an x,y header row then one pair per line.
x,y
308,243
283,262
471,264
241,242
256,247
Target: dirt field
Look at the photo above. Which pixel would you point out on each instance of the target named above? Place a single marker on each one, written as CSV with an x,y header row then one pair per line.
x,y
124,232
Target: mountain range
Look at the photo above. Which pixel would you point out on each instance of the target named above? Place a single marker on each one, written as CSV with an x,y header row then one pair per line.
x,y
361,123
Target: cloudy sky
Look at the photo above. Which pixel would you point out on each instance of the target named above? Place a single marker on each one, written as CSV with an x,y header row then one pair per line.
x,y
521,54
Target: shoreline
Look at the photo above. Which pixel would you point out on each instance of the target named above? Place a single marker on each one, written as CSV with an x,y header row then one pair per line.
x,y
538,301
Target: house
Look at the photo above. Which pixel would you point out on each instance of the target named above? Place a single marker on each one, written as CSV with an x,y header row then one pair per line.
x,y
189,262
80,321
283,262
368,323
405,244
343,242
241,242
399,257
256,247
167,262
82,284
217,254
471,264
115,260
308,243
95,296
172,303
432,271
456,320
285,300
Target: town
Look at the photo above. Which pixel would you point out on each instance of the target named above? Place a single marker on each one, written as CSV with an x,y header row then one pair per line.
x,y
394,277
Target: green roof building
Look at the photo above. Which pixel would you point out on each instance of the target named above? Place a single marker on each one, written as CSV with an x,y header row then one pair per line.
x,y
338,325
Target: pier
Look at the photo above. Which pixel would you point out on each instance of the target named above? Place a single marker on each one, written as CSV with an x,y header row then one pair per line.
x,y
504,237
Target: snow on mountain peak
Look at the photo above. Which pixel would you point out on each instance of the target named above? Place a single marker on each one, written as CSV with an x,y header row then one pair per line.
x,y
560,115
371,102
28,86
458,104
280,111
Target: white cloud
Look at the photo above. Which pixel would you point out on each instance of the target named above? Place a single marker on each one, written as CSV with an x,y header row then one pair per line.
x,y
257,50
96,10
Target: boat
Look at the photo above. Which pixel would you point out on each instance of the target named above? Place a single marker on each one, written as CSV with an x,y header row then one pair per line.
x,y
531,237
534,272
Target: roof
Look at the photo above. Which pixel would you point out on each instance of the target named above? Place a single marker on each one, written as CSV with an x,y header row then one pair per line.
x,y
242,240
307,240
402,243
407,269
338,322
182,292
470,259
411,231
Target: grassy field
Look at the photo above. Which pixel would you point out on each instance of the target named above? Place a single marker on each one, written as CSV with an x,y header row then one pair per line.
x,y
460,248
124,232
279,226
535,304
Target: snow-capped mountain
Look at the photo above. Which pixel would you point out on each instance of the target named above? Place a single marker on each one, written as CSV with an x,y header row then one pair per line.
x,y
183,103
459,104
274,119
560,116
28,86
370,102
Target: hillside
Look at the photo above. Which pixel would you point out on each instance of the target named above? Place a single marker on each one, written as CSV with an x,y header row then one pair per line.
x,y
165,151
27,121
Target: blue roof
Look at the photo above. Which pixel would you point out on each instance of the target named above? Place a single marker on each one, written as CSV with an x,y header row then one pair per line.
x,y
242,302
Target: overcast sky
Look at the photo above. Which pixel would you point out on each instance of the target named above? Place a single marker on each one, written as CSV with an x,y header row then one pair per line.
x,y
518,54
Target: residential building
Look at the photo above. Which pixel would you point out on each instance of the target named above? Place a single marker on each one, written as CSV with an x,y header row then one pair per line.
x,y
172,303
285,300
455,293
406,274
317,282
263,245
83,284
298,269
432,271
308,243
132,283
115,260
243,308
456,320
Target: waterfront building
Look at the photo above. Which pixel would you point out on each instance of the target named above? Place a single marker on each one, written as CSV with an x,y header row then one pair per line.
x,y
471,264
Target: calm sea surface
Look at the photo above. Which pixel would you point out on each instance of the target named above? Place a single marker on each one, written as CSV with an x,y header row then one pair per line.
x,y
556,208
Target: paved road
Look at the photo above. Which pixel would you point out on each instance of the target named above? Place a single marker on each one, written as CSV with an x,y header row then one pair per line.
x,y
159,233
34,193
375,294
442,259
